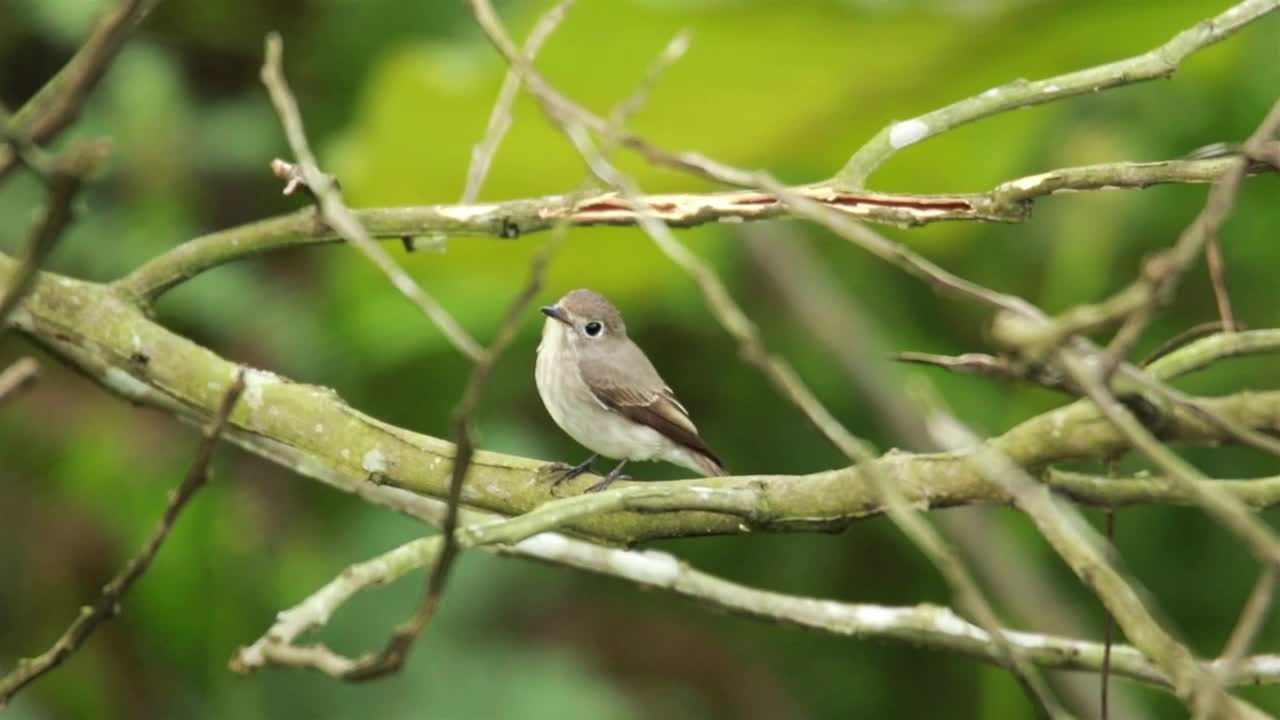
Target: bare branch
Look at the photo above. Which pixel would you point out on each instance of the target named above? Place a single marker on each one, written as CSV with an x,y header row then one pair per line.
x,y
1160,274
280,428
1077,543
922,625
500,117
1111,493
1156,63
19,375
392,657
999,367
680,210
65,176
58,102
777,370
1223,507
108,603
1247,627
334,211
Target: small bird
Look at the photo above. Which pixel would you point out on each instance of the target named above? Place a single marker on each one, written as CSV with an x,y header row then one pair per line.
x,y
601,389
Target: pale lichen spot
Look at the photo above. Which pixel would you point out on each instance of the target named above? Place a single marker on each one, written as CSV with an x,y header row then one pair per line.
x,y
907,132
374,461
254,383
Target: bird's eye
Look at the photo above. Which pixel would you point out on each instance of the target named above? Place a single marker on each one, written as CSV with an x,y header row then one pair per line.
x,y
594,329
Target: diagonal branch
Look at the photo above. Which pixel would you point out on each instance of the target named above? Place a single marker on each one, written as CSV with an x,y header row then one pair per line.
x,y
57,104
1161,273
335,213
500,117
1077,543
108,603
66,175
20,374
1159,62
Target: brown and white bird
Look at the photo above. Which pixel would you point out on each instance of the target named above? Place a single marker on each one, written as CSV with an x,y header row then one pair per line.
x,y
601,389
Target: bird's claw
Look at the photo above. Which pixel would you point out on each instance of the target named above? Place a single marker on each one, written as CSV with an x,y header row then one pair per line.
x,y
565,471
605,483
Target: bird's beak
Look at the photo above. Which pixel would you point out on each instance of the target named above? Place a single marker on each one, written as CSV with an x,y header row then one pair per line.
x,y
555,311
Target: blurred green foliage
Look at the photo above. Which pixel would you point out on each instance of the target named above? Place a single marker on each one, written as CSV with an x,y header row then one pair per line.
x,y
394,95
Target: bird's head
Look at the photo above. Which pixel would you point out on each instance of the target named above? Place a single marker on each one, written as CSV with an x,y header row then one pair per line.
x,y
586,319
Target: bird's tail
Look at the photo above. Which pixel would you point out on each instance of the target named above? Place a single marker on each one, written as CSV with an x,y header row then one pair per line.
x,y
709,465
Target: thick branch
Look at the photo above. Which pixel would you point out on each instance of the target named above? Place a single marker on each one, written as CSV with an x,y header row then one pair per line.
x,y
310,430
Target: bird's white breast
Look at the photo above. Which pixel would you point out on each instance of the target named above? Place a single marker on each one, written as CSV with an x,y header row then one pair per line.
x,y
580,414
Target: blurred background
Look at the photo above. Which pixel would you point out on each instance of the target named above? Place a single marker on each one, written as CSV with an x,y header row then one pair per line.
x,y
394,95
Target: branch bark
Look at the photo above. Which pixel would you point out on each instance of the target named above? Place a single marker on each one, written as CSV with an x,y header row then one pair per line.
x,y
99,331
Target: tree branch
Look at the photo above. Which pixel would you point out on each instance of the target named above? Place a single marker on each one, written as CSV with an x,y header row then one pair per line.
x,y
97,330
20,374
65,176
335,213
58,102
512,218
108,603
1156,63
922,625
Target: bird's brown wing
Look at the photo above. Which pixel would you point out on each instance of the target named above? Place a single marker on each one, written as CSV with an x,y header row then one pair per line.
x,y
628,383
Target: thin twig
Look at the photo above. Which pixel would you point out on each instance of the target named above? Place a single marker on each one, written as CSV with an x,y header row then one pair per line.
x,y
1161,273
1104,703
500,117
737,323
66,175
335,212
999,367
1227,510
1218,277
57,104
1078,544
1246,630
18,376
108,603
392,657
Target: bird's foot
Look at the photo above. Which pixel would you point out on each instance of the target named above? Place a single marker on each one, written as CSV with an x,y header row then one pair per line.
x,y
565,471
614,474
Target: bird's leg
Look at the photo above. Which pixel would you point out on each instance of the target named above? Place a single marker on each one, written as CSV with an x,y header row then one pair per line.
x,y
614,474
569,472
